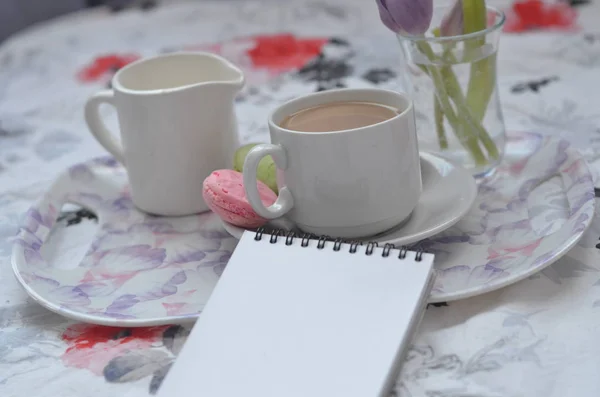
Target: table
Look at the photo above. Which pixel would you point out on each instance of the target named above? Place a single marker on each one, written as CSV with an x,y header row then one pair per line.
x,y
537,337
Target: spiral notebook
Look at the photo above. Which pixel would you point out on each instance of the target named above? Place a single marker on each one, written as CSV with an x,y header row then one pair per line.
x,y
300,317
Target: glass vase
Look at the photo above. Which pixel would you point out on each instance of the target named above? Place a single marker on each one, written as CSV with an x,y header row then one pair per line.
x,y
452,80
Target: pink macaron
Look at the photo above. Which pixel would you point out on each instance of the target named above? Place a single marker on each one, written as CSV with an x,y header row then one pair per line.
x,y
223,191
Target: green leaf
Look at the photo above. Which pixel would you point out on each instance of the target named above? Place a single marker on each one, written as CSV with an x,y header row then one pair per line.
x,y
474,18
482,78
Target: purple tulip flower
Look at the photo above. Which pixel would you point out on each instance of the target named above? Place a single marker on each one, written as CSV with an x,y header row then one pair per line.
x,y
452,24
406,16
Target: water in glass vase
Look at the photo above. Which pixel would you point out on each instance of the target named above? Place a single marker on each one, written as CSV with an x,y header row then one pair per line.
x,y
456,138
452,80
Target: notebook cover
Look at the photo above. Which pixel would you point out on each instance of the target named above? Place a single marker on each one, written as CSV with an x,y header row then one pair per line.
x,y
300,321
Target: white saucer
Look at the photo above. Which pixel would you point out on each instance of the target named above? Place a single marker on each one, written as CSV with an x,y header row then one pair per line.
x,y
448,194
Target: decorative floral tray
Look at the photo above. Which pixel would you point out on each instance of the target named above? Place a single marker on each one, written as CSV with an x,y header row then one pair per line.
x,y
143,270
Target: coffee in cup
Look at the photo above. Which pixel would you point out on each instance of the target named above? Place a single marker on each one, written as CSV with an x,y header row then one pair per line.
x,y
338,116
348,162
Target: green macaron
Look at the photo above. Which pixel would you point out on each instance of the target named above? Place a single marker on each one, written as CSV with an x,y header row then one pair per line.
x,y
266,171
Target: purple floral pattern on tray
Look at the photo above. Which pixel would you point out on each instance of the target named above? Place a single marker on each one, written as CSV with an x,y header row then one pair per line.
x,y
142,269
535,208
139,267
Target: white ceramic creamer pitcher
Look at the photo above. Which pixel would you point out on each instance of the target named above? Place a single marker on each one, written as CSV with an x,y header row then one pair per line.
x,y
177,125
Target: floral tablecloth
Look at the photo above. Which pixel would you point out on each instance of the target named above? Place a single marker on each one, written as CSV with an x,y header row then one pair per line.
x,y
537,337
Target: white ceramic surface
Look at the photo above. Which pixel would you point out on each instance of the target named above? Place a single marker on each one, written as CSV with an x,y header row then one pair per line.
x,y
348,183
177,125
448,194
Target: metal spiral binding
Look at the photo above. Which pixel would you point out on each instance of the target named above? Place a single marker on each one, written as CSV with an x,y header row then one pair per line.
x,y
337,243
371,247
289,239
321,242
354,246
275,235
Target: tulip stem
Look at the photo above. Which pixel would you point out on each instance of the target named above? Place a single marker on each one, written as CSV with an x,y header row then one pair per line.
x,y
439,123
437,108
465,123
453,86
469,141
482,74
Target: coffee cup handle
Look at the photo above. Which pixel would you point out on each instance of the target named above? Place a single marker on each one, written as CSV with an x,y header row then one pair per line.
x,y
284,201
98,127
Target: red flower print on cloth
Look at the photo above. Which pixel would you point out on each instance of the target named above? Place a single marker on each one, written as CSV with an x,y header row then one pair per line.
x,y
537,14
92,347
284,52
124,354
104,67
263,54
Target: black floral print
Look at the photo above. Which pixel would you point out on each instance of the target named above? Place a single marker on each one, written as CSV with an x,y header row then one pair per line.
x,y
576,3
75,217
378,76
327,72
323,69
339,42
438,304
533,86
120,5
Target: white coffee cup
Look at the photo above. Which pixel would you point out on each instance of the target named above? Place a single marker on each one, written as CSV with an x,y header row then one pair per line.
x,y
347,184
177,125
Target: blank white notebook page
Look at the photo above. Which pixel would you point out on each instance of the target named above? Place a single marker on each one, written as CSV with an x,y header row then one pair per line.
x,y
293,321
